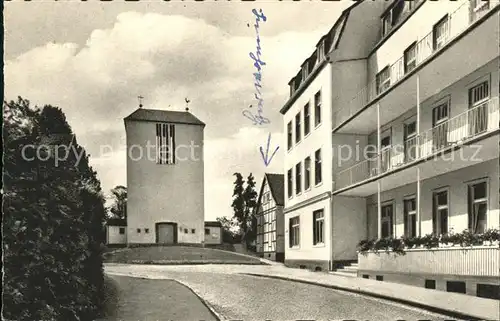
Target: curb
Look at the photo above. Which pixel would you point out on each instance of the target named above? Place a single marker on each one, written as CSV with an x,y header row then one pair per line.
x,y
430,308
160,262
217,315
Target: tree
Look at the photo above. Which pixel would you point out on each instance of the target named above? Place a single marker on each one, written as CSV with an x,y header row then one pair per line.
x,y
244,202
250,197
230,230
53,214
238,204
119,207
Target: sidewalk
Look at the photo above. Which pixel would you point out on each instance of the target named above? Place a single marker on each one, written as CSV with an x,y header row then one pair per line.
x,y
453,304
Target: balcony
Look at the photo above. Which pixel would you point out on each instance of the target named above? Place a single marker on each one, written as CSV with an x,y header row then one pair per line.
x,y
456,131
425,50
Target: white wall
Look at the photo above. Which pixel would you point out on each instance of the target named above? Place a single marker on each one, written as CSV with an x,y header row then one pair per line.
x,y
349,226
418,26
164,193
457,183
306,250
214,236
114,236
319,137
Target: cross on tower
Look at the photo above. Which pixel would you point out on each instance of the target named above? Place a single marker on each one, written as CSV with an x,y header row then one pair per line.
x,y
140,101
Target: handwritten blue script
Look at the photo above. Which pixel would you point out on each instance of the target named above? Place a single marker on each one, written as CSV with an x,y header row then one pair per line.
x,y
258,63
266,157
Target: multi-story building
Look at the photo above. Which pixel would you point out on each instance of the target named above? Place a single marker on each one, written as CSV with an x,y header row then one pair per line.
x,y
165,181
270,240
417,147
320,233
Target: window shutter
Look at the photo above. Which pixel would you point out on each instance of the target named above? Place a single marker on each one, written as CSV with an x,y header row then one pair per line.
x,y
290,232
314,228
470,209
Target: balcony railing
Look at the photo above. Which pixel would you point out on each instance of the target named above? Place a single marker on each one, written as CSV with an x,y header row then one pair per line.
x,y
475,121
453,25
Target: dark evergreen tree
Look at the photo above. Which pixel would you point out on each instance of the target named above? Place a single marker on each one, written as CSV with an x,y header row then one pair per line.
x,y
53,219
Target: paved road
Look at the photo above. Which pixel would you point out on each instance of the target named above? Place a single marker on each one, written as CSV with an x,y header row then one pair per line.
x,y
241,297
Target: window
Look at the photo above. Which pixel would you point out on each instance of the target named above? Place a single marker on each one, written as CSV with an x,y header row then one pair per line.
x,y
397,11
297,128
207,231
165,144
440,126
292,87
383,80
440,33
430,284
385,151
478,108
455,286
410,57
317,167
387,220
440,212
138,230
410,140
294,235
410,217
307,126
193,231
186,231
305,71
321,51
146,230
478,8
289,135
478,207
122,230
317,108
318,227
289,183
298,178
307,173
396,14
386,23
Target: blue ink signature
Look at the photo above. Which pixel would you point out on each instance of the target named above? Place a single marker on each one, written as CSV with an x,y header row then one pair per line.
x,y
258,63
266,158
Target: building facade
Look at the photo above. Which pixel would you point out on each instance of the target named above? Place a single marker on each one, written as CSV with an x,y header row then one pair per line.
x,y
418,145
213,232
116,231
270,240
165,181
407,148
320,236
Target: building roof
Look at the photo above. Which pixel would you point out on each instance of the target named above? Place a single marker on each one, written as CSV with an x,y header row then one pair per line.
x,y
167,116
116,222
277,186
332,39
213,223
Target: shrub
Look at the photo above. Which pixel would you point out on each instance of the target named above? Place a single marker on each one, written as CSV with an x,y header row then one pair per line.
x,y
429,241
53,218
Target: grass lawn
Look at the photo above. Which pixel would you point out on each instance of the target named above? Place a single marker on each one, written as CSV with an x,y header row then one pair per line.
x,y
130,299
177,255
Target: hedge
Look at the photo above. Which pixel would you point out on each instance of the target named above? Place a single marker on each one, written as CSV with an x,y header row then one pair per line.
x,y
53,220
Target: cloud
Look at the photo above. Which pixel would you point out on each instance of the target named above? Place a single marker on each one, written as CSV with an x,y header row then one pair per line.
x,y
166,58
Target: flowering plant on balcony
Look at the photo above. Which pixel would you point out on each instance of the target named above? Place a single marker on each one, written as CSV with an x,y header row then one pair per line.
x,y
399,245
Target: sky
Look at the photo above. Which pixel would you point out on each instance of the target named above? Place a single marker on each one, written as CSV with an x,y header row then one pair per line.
x,y
93,59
